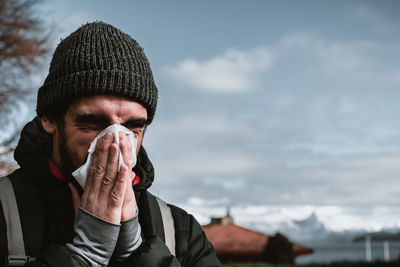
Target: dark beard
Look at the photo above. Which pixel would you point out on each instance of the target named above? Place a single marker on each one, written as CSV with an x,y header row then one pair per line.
x,y
66,155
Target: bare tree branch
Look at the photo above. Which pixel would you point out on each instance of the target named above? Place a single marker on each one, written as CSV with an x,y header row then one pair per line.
x,y
24,43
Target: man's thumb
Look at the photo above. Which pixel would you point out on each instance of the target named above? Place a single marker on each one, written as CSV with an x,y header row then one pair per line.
x,y
76,198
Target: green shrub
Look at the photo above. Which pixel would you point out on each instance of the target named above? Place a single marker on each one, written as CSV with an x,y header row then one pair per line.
x,y
279,250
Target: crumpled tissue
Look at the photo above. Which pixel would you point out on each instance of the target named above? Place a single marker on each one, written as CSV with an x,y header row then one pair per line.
x,y
81,173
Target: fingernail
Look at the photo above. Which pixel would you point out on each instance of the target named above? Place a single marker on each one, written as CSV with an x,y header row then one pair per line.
x,y
106,136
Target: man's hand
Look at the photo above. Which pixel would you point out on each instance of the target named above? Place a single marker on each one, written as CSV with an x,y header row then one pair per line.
x,y
109,194
129,207
105,188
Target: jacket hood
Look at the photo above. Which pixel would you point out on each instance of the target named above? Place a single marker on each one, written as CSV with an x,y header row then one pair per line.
x,y
35,147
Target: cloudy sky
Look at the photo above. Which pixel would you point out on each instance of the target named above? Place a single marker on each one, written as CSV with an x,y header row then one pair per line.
x,y
273,107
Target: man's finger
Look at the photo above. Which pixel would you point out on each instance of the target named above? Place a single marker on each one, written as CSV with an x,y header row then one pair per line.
x,y
76,197
126,149
117,194
110,175
129,206
97,169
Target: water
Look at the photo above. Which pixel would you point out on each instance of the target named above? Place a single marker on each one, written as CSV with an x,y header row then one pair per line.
x,y
354,251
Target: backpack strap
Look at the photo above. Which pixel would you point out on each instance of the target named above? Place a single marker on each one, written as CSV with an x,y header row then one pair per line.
x,y
15,240
168,223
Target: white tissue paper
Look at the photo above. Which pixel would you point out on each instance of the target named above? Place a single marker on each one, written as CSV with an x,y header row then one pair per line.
x,y
81,173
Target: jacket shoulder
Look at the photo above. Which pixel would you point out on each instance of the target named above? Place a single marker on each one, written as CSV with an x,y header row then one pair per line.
x,y
191,240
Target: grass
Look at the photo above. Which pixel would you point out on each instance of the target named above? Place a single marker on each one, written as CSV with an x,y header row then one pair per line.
x,y
333,264
254,265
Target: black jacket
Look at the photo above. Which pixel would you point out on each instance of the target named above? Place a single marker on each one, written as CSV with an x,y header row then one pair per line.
x,y
47,216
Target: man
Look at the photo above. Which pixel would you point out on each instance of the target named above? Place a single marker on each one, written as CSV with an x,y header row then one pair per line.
x,y
98,77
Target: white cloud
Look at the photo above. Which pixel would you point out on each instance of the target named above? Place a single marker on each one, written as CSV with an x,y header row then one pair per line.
x,y
272,218
374,18
201,145
319,132
200,202
233,71
350,65
347,66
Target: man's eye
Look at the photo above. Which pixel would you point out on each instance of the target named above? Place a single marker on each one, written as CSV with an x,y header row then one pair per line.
x,y
135,130
85,129
89,126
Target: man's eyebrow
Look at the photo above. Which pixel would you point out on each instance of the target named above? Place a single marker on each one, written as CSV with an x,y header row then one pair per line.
x,y
92,118
105,120
135,123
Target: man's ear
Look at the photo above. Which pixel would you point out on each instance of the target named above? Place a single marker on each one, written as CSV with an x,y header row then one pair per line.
x,y
49,125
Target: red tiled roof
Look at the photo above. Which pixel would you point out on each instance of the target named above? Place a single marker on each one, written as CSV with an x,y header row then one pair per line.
x,y
300,250
234,242
232,238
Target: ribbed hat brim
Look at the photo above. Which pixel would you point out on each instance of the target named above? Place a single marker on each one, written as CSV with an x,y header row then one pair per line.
x,y
98,82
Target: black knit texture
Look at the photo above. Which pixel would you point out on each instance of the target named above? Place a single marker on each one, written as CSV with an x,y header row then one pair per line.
x,y
98,59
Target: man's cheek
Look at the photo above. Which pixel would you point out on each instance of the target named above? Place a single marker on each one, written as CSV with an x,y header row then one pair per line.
x,y
139,144
81,148
83,141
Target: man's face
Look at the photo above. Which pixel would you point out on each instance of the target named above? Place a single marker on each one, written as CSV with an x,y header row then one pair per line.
x,y
86,118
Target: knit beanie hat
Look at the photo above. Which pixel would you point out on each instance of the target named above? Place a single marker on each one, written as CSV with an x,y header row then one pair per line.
x,y
98,59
